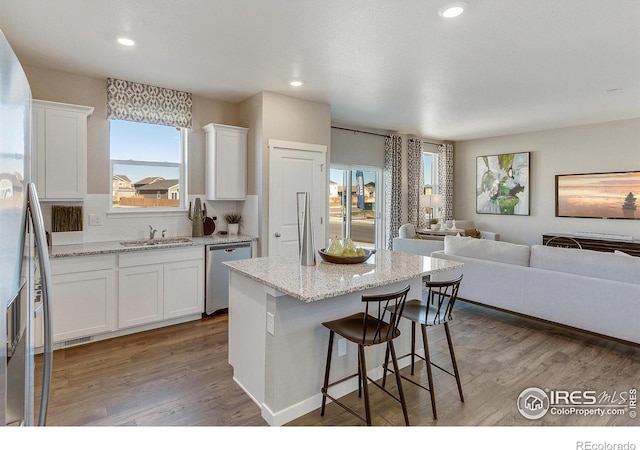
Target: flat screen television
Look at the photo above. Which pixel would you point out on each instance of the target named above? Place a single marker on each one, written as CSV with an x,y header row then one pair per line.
x,y
610,195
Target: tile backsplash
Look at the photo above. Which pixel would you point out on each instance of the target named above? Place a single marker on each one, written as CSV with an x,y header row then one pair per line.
x,y
111,226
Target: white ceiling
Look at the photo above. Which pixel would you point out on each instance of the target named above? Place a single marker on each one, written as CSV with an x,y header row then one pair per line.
x,y
504,66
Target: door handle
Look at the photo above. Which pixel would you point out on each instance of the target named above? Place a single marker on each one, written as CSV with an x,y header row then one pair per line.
x,y
277,234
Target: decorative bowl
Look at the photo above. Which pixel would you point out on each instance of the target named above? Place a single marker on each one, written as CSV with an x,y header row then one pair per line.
x,y
346,259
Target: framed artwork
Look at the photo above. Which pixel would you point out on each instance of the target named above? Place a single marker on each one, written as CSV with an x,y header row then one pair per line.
x,y
610,195
502,184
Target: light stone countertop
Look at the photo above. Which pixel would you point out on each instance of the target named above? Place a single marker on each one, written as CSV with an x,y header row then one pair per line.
x,y
99,248
325,280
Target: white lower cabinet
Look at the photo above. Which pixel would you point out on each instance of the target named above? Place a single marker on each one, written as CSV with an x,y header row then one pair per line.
x,y
83,296
183,288
102,296
140,295
160,285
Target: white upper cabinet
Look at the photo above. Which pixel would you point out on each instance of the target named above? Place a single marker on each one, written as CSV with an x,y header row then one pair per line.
x,y
59,142
226,174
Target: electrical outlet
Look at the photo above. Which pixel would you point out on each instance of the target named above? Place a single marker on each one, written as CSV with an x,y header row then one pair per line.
x,y
342,347
94,219
271,324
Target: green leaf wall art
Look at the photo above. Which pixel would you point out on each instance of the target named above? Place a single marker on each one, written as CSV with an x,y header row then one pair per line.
x,y
502,184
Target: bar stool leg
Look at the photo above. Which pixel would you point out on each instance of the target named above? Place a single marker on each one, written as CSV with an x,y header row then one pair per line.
x,y
399,382
453,360
385,367
429,370
359,379
365,387
326,373
413,347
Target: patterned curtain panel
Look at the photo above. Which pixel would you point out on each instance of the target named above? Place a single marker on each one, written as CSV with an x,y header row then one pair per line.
x,y
415,169
138,102
392,186
445,179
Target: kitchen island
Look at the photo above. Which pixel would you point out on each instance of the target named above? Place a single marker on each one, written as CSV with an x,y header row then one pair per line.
x,y
277,344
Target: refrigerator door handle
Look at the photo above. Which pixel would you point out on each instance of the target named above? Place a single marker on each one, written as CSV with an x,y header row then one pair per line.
x,y
33,205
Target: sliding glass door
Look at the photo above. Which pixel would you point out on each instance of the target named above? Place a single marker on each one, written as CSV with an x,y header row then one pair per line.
x,y
355,205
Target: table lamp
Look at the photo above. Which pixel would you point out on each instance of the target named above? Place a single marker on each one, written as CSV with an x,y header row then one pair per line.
x,y
430,202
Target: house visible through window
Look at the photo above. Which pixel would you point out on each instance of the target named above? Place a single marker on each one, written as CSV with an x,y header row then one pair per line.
x,y
147,165
354,205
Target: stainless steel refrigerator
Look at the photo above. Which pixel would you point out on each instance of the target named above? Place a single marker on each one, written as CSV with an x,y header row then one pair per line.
x,y
24,262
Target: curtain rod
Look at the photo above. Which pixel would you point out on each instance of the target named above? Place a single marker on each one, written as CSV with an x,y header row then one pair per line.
x,y
381,135
358,131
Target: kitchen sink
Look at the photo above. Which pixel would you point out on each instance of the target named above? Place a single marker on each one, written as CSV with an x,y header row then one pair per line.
x,y
154,242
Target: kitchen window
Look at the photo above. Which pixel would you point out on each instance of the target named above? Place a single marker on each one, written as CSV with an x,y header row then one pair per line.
x,y
148,166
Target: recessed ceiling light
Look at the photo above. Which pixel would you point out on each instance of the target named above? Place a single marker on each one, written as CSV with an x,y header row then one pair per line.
x,y
452,10
296,83
127,42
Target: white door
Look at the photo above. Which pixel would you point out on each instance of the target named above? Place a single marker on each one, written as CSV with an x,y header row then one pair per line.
x,y
295,167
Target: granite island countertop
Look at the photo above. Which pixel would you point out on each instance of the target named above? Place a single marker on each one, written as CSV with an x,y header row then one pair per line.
x,y
99,248
325,280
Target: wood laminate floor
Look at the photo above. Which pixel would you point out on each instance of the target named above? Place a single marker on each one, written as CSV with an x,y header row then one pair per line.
x,y
179,375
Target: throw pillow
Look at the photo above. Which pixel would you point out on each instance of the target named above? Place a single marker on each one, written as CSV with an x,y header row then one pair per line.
x,y
472,233
407,231
417,236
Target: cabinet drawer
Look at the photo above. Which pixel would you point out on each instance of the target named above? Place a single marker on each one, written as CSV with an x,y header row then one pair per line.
x,y
154,256
82,264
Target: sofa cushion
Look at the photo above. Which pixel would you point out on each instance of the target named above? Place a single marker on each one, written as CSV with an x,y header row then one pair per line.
x,y
591,263
497,251
422,247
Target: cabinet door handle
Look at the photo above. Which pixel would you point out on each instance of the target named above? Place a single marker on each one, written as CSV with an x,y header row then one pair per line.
x,y
277,234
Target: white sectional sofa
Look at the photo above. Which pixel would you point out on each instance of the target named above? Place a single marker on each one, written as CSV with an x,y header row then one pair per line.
x,y
594,291
406,241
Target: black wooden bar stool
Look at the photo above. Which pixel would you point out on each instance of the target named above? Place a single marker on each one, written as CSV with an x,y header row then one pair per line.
x,y
435,309
368,329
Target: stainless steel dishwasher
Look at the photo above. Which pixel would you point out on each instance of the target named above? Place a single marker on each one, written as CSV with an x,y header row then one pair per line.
x,y
217,276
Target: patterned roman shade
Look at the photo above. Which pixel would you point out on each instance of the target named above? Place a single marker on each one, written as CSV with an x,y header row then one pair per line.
x,y
138,102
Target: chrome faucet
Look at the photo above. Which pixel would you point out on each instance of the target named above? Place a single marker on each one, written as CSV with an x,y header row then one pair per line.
x,y
152,232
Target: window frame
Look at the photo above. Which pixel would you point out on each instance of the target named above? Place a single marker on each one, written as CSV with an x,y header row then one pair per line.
x,y
182,166
435,184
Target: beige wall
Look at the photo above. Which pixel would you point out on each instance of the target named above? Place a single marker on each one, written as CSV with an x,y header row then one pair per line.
x,y
611,146
66,87
603,147
275,116
250,116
